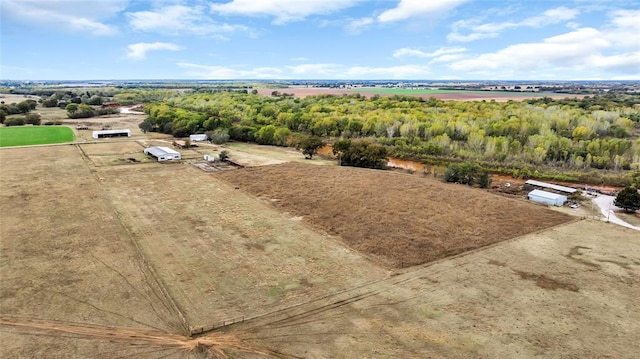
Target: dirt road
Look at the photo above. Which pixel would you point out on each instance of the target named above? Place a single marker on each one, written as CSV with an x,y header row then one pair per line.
x,y
608,209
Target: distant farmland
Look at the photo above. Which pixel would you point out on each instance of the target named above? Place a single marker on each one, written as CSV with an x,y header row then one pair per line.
x,y
463,95
410,91
34,135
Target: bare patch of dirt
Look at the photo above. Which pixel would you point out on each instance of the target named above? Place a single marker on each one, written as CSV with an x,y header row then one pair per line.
x,y
545,282
398,219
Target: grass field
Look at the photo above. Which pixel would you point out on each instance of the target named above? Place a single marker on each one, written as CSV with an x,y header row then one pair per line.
x,y
120,260
34,135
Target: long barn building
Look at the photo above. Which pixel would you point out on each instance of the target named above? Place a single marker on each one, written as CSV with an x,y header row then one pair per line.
x,y
163,153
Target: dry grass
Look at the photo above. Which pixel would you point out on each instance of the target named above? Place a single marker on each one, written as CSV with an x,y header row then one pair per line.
x,y
401,220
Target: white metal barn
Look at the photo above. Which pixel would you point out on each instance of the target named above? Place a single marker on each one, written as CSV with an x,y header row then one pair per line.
x,y
111,133
162,153
551,186
198,137
545,197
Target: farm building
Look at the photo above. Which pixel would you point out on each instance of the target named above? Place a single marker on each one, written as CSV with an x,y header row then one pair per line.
x,y
111,133
551,186
545,197
198,137
162,153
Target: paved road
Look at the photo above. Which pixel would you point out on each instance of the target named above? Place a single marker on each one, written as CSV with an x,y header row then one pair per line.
x,y
605,203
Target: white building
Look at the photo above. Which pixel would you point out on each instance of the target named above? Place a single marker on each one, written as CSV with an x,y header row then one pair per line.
x,y
545,197
111,133
198,137
162,153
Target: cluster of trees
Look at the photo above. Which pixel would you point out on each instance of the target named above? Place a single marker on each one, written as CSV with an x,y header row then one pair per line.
x,y
28,119
360,153
85,111
467,173
567,135
62,98
24,107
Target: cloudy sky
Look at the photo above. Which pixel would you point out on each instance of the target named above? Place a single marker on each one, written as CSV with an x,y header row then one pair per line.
x,y
320,39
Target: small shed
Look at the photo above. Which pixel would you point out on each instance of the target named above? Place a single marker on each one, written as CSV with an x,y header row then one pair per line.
x,y
162,153
545,197
198,137
111,133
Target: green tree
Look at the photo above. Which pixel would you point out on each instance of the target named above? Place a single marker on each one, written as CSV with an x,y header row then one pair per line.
x,y
218,136
145,126
628,199
467,173
309,145
32,118
265,134
361,154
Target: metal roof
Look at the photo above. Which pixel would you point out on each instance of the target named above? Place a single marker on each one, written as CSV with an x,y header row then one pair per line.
x,y
551,186
159,151
545,194
109,132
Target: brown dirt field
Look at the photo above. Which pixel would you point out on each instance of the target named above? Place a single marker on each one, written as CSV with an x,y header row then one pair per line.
x,y
401,220
499,97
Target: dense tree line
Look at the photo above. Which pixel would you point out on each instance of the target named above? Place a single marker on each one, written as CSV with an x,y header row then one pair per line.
x,y
600,132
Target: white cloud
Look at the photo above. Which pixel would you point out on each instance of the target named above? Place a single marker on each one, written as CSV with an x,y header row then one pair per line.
x,y
416,8
306,71
585,50
491,30
179,19
139,50
230,73
624,29
406,52
282,10
68,15
356,26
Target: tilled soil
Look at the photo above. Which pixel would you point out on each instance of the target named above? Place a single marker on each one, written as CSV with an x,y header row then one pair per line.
x,y
398,219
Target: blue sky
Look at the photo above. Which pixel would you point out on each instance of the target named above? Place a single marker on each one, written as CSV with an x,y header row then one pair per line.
x,y
320,39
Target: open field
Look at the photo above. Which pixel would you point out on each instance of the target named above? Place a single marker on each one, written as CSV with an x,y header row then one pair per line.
x,y
118,261
400,220
11,98
222,254
258,155
65,254
34,135
559,293
462,95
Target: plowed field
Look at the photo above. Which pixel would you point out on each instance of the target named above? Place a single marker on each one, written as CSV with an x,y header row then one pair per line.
x,y
399,220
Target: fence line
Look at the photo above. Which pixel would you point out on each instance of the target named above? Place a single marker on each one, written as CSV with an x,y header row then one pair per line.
x,y
207,328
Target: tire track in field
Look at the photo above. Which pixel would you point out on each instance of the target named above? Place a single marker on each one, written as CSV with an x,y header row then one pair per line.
x,y
151,278
212,345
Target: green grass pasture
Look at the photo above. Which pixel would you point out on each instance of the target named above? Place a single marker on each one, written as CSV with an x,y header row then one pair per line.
x,y
34,135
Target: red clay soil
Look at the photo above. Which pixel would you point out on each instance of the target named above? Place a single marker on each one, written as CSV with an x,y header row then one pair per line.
x,y
398,219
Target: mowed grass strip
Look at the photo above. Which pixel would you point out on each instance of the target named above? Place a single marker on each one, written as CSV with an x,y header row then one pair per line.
x,y
399,219
34,135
